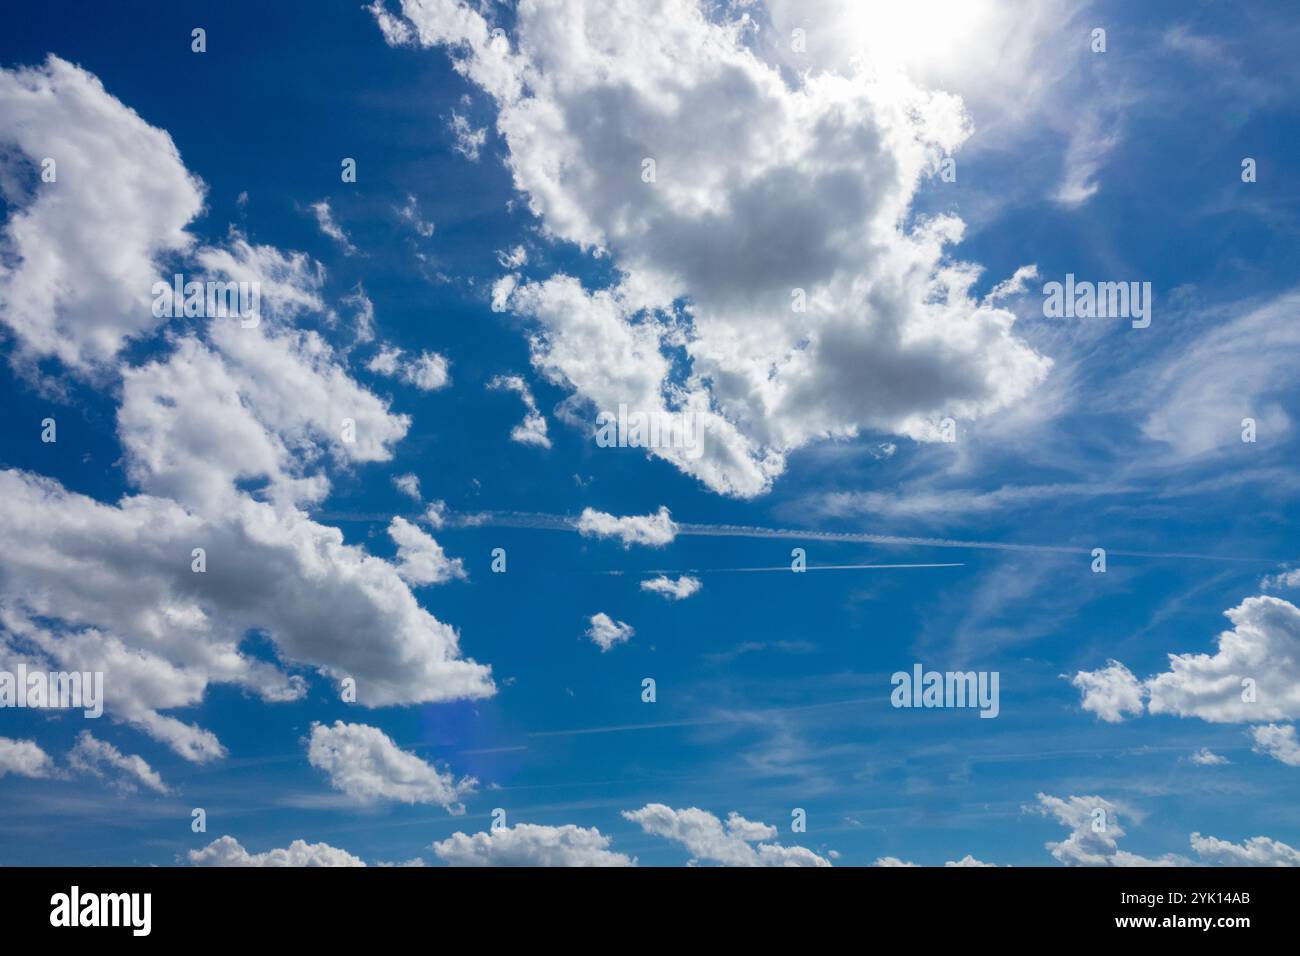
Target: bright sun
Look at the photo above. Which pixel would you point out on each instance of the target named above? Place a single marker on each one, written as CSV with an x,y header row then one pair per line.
x,y
920,35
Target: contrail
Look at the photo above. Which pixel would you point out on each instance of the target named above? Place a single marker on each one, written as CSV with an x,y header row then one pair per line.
x,y
787,569
535,521
719,717
548,522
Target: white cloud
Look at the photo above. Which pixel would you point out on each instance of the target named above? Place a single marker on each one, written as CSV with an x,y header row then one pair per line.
x,y
1263,649
1018,284
428,371
1277,742
138,683
1257,851
966,861
1086,846
325,220
1281,580
226,851
817,176
514,258
290,282
1095,830
410,213
24,758
396,31
1208,49
1263,646
605,632
261,407
420,559
1205,757
387,361
1090,147
79,256
733,843
224,437
408,484
468,139
321,600
1240,367
364,763
653,530
364,318
436,514
944,504
93,755
502,289
1111,692
162,633
528,844
671,590
532,430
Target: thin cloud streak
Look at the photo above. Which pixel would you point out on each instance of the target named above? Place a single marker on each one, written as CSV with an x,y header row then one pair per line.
x,y
786,568
548,522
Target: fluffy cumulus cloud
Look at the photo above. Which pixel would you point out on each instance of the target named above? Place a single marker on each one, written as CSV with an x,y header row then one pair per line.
x,y
1095,830
1253,676
97,757
250,406
1205,757
227,851
24,758
420,559
436,513
605,632
1281,581
670,590
1094,833
408,484
735,842
532,430
162,633
228,433
1263,646
1111,692
79,255
140,684
529,844
364,763
648,131
966,861
1257,851
652,530
1278,742
428,371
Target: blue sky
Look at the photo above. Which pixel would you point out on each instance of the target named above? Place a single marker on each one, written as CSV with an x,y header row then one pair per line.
x,y
772,688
